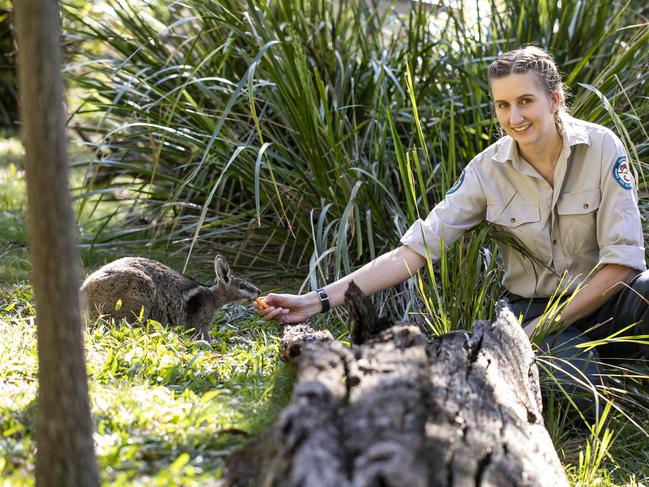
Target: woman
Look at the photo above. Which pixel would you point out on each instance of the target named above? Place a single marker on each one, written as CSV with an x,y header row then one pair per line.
x,y
561,186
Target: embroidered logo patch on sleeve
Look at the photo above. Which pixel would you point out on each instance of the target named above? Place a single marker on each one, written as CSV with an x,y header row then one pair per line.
x,y
457,184
622,172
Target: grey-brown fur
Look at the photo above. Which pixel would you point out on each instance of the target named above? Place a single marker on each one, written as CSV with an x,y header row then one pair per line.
x,y
166,295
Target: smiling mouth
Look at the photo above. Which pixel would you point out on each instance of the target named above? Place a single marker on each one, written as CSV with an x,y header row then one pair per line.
x,y
522,128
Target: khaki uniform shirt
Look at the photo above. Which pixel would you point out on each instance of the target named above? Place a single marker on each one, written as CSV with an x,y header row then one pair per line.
x,y
588,219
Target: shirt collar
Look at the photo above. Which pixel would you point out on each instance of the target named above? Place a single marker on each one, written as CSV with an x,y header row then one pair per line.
x,y
507,151
574,131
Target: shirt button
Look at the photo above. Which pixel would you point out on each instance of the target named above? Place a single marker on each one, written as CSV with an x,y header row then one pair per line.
x,y
513,220
585,206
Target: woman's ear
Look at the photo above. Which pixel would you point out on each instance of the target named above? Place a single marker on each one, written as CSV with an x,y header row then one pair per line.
x,y
555,99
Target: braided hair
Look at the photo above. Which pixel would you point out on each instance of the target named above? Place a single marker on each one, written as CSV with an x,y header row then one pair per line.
x,y
531,59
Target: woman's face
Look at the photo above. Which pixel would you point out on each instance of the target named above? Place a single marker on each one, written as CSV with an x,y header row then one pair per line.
x,y
524,109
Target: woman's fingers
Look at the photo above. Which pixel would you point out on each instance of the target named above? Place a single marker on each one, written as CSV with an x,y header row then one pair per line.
x,y
284,308
263,304
265,307
274,313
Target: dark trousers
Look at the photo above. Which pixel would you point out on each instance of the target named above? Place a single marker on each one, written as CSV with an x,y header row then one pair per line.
x,y
572,366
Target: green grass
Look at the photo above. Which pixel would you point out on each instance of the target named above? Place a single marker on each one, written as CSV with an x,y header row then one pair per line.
x,y
167,410
14,265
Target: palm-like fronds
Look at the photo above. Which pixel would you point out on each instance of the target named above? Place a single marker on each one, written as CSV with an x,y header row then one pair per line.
x,y
296,132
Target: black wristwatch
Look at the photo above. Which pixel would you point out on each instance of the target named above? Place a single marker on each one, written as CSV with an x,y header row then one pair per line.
x,y
324,300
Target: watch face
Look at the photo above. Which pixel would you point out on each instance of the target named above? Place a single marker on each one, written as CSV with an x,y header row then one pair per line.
x,y
324,299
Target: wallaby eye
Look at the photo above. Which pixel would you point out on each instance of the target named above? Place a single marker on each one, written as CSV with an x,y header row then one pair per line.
x,y
242,286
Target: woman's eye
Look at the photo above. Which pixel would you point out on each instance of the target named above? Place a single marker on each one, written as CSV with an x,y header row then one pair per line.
x,y
501,105
525,101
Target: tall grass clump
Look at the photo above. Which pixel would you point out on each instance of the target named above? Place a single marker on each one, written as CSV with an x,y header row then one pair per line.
x,y
305,137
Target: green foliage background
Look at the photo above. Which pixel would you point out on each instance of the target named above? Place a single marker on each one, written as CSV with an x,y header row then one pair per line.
x,y
311,134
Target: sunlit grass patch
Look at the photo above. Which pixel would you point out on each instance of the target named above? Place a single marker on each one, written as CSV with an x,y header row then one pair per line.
x,y
610,447
189,400
612,452
11,150
144,428
12,187
18,384
14,263
167,408
13,197
172,356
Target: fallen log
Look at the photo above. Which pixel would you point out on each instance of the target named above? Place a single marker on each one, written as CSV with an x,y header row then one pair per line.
x,y
399,410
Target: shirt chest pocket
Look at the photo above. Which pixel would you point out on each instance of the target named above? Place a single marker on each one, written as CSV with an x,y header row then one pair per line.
x,y
522,221
579,203
513,216
578,218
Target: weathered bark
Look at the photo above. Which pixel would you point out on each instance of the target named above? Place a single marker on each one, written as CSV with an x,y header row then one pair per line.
x,y
464,409
65,453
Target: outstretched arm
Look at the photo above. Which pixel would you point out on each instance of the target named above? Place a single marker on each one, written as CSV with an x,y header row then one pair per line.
x,y
383,272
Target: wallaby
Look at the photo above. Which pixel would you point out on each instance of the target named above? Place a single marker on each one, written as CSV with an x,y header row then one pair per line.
x,y
125,287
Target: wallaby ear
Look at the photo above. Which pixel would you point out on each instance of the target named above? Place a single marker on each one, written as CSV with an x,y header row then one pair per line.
x,y
222,269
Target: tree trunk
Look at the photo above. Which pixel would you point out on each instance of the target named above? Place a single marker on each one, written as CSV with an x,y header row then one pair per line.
x,y
398,410
65,453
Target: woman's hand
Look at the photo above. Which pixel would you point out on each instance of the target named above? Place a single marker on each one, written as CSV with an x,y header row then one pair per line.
x,y
289,308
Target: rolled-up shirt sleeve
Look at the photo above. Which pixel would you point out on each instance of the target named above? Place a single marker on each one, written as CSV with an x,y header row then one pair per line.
x,y
462,208
619,230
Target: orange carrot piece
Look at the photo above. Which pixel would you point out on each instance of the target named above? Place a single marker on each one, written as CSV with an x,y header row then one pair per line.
x,y
261,303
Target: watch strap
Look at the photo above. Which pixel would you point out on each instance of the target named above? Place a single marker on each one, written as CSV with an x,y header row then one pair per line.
x,y
324,300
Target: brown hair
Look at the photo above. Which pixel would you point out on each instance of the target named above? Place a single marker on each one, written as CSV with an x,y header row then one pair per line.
x,y
526,59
